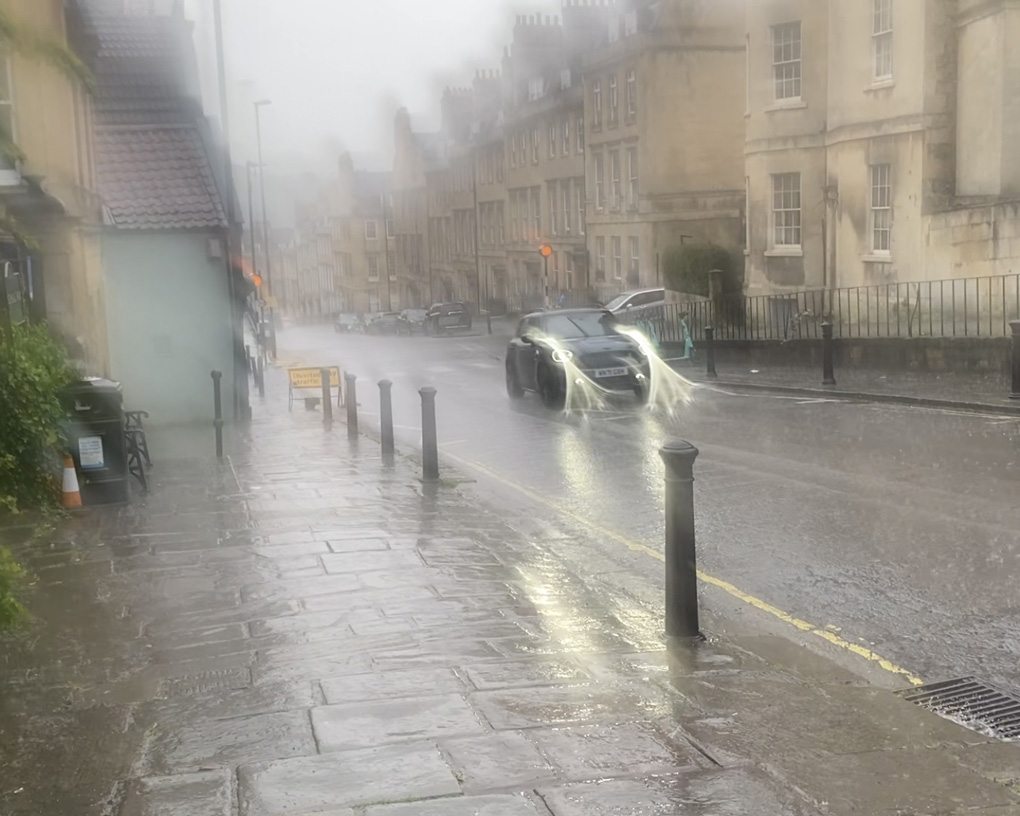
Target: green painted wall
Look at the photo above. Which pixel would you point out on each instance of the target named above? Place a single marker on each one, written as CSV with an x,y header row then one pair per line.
x,y
167,306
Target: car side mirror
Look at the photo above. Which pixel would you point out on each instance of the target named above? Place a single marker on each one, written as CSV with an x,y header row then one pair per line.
x,y
527,339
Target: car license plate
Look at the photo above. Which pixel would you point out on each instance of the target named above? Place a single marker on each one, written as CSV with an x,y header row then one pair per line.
x,y
601,373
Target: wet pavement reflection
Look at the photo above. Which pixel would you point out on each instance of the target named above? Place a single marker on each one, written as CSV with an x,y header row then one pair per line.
x,y
306,629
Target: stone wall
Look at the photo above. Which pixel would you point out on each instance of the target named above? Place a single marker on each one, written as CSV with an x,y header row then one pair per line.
x,y
972,242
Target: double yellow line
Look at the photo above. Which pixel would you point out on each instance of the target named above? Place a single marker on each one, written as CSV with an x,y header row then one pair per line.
x,y
719,583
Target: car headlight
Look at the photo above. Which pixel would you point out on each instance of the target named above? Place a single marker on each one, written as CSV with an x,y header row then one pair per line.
x,y
562,355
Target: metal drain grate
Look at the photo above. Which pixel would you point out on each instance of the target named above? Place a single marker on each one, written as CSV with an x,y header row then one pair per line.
x,y
972,703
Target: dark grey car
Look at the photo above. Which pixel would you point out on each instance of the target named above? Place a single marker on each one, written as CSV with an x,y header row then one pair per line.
x,y
547,343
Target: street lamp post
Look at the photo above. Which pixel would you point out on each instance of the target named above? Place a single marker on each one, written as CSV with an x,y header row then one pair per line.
x,y
265,217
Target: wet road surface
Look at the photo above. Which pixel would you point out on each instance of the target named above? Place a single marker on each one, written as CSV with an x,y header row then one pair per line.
x,y
897,528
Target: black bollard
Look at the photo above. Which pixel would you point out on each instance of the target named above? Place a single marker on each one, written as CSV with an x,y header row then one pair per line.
x,y
710,351
429,441
386,417
327,398
260,377
217,377
488,322
247,360
1015,326
681,563
352,405
827,376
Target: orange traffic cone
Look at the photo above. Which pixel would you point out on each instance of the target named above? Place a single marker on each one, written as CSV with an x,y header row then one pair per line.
x,y
70,498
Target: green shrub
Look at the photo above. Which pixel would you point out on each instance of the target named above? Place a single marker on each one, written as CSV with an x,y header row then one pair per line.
x,y
33,368
686,267
11,577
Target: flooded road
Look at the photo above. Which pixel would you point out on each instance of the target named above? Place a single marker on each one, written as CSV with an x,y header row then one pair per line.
x,y
897,528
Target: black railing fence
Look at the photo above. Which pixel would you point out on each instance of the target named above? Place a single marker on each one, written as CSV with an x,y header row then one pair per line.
x,y
962,307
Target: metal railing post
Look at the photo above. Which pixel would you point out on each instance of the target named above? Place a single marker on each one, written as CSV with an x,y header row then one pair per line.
x,y
217,377
429,440
1014,326
260,376
710,351
386,417
352,405
327,398
827,374
681,560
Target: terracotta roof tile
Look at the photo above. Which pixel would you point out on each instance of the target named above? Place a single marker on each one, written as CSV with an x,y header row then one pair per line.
x,y
157,178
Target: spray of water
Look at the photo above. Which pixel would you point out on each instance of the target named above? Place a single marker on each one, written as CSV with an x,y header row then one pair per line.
x,y
667,390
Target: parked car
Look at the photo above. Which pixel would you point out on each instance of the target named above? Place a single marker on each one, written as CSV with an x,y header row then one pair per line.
x,y
546,343
412,320
384,323
443,317
638,299
347,323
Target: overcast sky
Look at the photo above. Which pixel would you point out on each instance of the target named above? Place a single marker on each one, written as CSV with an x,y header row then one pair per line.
x,y
336,70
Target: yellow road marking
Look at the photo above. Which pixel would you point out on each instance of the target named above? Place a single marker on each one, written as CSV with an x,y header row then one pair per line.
x,y
719,583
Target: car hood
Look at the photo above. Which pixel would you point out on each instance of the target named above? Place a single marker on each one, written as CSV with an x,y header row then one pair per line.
x,y
584,346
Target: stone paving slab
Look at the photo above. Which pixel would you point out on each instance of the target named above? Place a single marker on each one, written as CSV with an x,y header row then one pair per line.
x,y
507,805
390,685
325,784
364,724
708,793
208,793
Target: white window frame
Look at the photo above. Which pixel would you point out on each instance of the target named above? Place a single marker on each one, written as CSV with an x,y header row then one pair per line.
x,y
553,192
534,145
390,228
513,150
614,100
9,173
567,207
580,209
599,166
373,261
617,257
580,135
536,197
631,93
786,211
616,182
596,104
553,140
635,257
882,40
880,211
371,229
632,170
787,68
566,138
600,258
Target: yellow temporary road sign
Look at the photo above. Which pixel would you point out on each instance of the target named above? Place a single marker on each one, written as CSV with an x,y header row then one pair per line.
x,y
312,377
301,378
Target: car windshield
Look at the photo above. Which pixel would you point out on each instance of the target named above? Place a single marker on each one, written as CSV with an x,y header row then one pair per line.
x,y
618,301
580,324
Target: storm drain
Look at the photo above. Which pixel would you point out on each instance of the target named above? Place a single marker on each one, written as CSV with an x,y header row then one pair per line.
x,y
972,703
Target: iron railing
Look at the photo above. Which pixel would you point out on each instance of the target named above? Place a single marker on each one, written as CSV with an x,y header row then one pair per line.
x,y
961,307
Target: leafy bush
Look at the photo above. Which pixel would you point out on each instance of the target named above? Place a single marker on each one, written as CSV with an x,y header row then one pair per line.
x,y
11,576
686,267
33,368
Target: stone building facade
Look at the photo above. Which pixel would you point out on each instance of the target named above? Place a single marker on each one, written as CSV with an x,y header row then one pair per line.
x,y
664,115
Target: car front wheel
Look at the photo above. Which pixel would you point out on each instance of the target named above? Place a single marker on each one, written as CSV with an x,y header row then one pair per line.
x,y
513,387
549,390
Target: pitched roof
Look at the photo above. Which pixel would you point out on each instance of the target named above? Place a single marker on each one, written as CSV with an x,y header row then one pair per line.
x,y
157,178
153,165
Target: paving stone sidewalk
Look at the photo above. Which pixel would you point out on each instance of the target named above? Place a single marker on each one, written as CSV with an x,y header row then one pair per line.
x,y
306,630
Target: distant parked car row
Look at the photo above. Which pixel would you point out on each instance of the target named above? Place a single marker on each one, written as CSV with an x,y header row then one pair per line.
x,y
440,318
